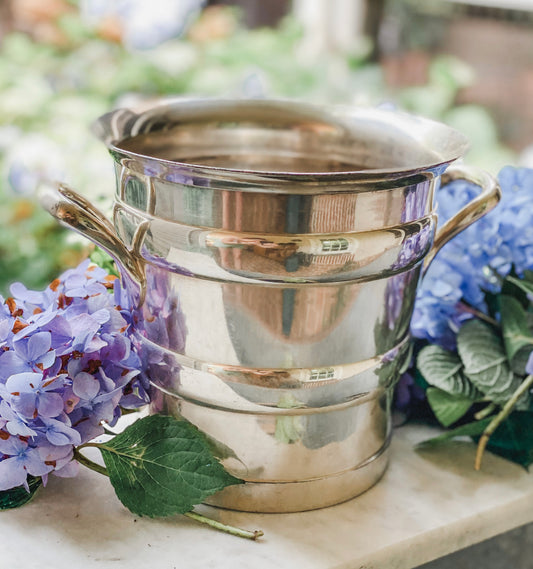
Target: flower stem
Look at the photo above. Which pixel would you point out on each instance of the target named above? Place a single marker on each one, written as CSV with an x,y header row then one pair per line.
x,y
223,527
500,417
89,463
485,412
478,314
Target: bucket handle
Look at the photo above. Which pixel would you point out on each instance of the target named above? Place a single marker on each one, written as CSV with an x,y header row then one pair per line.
x,y
74,211
488,198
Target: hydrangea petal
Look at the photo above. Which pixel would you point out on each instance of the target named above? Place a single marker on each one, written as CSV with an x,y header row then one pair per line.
x,y
20,427
6,327
25,404
38,345
60,434
21,293
529,365
49,405
12,473
12,445
75,280
37,322
47,360
69,470
24,382
85,386
15,423
101,316
57,454
11,364
34,464
84,327
94,345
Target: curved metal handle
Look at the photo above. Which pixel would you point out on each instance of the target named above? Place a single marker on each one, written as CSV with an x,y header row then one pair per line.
x,y
481,205
74,211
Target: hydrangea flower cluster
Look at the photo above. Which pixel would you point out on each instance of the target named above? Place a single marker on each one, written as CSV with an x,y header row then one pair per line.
x,y
475,260
66,367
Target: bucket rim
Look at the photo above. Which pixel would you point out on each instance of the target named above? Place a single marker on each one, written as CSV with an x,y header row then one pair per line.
x,y
442,144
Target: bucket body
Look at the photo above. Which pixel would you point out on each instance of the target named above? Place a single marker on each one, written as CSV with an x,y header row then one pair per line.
x,y
273,251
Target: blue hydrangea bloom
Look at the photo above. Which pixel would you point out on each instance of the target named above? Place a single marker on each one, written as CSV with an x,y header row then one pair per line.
x,y
66,366
475,260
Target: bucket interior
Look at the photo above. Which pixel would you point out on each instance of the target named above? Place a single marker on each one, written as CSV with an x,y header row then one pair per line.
x,y
265,137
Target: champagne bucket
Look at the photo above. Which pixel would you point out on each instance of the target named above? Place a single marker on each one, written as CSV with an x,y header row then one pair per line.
x,y
272,251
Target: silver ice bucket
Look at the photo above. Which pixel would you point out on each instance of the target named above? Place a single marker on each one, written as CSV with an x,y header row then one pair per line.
x,y
273,251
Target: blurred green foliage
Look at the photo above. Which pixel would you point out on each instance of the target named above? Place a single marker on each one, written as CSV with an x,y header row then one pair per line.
x,y
49,95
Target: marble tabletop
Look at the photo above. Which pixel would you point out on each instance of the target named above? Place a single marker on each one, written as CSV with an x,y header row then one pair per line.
x,y
427,505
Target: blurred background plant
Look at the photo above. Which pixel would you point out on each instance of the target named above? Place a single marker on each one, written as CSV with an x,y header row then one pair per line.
x,y
65,62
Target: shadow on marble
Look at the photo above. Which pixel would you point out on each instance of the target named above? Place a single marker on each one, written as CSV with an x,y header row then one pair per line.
x,y
458,454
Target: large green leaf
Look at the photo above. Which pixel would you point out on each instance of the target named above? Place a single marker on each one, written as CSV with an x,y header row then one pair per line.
x,y
485,361
444,369
512,284
19,496
447,408
517,336
514,438
161,466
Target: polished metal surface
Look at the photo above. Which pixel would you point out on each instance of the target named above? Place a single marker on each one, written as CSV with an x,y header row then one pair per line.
x,y
273,251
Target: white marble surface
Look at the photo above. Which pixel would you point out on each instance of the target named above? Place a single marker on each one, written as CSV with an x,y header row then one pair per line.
x,y
427,505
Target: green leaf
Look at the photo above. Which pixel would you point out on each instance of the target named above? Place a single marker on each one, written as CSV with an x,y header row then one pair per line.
x,y
514,438
19,496
420,380
161,466
102,259
447,408
528,276
524,286
474,429
517,337
485,361
444,369
491,300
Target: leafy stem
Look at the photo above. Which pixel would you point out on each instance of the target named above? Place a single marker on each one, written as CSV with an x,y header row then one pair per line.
x,y
499,418
82,459
223,527
88,462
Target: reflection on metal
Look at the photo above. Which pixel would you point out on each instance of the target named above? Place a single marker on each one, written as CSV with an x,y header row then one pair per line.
x,y
273,251
323,374
334,245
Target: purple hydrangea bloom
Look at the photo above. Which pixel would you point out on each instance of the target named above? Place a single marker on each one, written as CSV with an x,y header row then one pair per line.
x,y
407,395
19,460
477,259
27,354
529,365
66,367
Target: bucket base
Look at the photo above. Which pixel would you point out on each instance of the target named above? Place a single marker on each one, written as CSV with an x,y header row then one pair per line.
x,y
285,497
